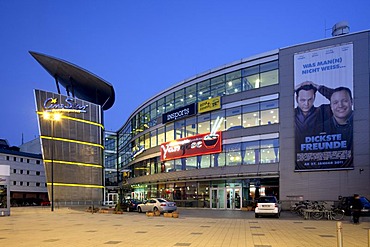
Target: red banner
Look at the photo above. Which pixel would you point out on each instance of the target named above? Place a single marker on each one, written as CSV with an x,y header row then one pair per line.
x,y
192,146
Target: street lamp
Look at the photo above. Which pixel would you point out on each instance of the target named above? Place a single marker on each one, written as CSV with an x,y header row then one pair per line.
x,y
52,116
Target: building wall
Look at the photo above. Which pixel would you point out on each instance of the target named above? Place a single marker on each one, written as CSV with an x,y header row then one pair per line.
x,y
72,148
27,175
326,185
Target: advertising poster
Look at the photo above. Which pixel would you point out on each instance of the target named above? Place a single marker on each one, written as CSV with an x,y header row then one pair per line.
x,y
323,105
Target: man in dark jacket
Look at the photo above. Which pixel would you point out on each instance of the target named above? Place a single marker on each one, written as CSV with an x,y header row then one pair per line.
x,y
356,209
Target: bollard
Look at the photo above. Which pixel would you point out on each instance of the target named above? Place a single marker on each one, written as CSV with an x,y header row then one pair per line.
x,y
339,235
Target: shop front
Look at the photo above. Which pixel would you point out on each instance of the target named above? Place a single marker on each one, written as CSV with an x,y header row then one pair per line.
x,y
232,194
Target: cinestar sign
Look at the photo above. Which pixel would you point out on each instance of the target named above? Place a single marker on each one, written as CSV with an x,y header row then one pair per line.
x,y
52,105
179,113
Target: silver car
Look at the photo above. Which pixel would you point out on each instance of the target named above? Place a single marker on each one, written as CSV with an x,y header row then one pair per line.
x,y
157,204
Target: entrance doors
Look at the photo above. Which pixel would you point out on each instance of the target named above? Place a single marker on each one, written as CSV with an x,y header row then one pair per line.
x,y
233,198
218,198
226,198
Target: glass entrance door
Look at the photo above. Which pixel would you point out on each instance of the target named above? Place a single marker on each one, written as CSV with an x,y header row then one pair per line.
x,y
218,198
233,198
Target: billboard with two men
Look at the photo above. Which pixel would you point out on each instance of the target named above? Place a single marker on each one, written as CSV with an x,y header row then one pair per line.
x,y
323,81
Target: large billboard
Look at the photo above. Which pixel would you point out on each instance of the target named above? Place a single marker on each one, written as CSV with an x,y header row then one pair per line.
x,y
323,97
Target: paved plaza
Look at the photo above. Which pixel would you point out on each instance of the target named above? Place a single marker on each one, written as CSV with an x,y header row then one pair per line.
x,y
38,226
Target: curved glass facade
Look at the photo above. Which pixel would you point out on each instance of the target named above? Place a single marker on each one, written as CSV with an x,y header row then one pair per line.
x,y
243,106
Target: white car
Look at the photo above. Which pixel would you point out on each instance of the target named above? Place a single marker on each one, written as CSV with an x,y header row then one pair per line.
x,y
157,204
267,205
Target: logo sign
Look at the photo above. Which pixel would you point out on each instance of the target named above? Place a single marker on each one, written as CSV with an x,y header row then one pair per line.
x,y
209,105
179,113
52,105
137,150
192,146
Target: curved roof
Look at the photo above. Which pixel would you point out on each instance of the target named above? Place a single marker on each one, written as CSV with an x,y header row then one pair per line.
x,y
81,83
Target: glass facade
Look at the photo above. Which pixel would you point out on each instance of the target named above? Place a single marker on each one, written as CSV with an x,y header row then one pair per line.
x,y
145,131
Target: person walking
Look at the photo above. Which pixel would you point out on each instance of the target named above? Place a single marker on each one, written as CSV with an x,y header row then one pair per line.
x,y
356,208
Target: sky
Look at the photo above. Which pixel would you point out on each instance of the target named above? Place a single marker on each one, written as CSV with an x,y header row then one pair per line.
x,y
143,47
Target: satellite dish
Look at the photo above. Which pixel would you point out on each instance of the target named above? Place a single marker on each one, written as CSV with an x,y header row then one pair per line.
x,y
340,28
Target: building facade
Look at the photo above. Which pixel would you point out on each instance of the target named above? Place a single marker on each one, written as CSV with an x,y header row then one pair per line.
x,y
223,138
27,176
72,148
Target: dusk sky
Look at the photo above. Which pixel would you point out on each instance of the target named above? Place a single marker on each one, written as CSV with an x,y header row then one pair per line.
x,y
144,47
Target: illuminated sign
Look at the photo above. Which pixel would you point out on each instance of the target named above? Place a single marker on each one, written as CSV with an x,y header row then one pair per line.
x,y
192,146
209,104
137,150
52,105
179,113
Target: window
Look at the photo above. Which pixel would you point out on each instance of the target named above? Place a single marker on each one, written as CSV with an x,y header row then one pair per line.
x,y
233,154
161,107
169,132
38,173
217,86
270,151
153,138
14,183
37,184
153,114
191,94
161,135
269,112
14,159
204,161
14,171
147,140
179,129
191,163
269,78
38,162
250,152
218,114
21,171
179,98
21,159
204,123
233,82
7,157
191,127
170,102
28,160
233,118
204,90
250,115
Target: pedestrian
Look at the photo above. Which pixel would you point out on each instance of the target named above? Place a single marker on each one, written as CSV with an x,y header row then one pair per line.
x,y
356,208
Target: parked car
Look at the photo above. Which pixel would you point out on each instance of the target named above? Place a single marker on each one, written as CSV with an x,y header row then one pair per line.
x,y
346,202
130,204
45,203
157,204
267,205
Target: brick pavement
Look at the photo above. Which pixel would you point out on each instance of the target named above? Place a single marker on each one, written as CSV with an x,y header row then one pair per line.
x,y
37,226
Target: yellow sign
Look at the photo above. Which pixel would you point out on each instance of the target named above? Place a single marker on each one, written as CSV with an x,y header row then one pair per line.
x,y
209,104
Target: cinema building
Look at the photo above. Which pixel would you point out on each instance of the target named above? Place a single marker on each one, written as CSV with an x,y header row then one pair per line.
x,y
226,136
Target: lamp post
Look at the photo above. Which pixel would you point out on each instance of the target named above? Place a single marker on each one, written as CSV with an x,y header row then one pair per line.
x,y
52,116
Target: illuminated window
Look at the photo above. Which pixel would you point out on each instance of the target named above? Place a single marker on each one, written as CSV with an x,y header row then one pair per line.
x,y
270,151
204,123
